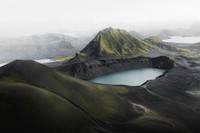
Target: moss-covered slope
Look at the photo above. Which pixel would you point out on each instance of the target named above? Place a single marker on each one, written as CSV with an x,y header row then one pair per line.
x,y
116,42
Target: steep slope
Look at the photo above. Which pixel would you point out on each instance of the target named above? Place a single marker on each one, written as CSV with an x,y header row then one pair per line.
x,y
115,42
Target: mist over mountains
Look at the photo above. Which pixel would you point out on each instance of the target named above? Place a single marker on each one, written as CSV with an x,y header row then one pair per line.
x,y
193,30
54,45
165,33
40,46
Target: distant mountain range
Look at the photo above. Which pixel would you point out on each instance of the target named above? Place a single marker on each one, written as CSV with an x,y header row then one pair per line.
x,y
40,46
194,30
140,35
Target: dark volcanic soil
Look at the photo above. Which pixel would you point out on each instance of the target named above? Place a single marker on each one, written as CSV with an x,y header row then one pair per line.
x,y
170,103
174,95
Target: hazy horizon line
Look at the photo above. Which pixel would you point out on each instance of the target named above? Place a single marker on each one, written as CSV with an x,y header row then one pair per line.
x,y
142,28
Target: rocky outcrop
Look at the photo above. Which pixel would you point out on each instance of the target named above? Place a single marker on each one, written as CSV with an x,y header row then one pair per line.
x,y
90,69
162,62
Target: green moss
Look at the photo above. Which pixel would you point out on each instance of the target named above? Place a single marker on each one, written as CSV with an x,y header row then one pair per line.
x,y
105,47
154,39
187,53
116,42
179,51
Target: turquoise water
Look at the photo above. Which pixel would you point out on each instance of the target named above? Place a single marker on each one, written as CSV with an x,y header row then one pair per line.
x,y
132,77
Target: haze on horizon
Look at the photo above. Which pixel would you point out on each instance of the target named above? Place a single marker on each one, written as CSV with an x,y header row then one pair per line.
x,y
25,17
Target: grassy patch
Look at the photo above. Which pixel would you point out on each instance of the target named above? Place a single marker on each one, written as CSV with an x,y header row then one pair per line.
x,y
187,53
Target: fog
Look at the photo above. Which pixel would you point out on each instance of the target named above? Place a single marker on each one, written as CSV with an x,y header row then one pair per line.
x,y
27,17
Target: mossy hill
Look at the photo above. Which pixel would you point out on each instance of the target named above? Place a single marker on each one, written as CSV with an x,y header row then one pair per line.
x,y
116,42
35,98
159,43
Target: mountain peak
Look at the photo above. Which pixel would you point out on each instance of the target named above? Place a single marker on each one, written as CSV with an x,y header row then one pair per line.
x,y
112,30
108,32
107,29
115,42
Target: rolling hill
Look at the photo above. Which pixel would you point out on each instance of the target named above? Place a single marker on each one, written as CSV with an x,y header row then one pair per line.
x,y
33,95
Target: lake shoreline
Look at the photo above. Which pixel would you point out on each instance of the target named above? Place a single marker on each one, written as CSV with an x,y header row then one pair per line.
x,y
132,77
91,69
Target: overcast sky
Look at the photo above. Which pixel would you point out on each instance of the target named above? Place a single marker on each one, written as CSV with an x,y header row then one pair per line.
x,y
23,17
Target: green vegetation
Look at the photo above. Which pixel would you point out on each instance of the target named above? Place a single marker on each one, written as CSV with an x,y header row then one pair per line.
x,y
116,42
154,39
187,53
159,44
